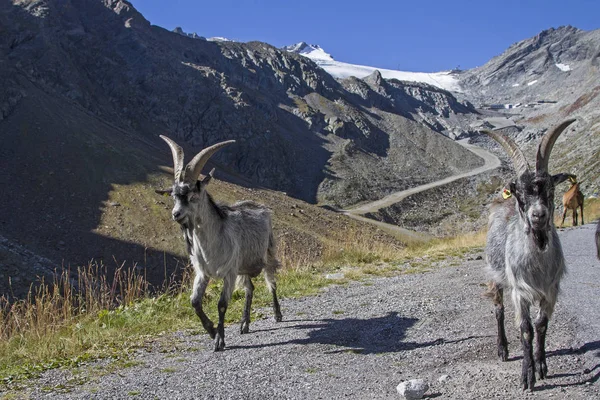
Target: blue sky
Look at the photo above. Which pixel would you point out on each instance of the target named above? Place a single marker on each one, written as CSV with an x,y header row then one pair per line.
x,y
412,35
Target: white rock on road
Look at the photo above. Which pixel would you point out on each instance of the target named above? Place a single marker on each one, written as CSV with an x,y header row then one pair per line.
x,y
413,389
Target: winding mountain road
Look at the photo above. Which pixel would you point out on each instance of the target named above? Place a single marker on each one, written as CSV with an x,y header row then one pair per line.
x,y
357,212
490,162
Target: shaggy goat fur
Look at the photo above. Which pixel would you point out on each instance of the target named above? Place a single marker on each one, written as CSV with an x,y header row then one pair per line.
x,y
224,242
524,253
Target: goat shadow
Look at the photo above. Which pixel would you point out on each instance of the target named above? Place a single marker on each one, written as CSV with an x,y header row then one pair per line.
x,y
378,335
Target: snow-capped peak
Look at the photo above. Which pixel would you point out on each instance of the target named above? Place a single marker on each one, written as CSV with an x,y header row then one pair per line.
x,y
220,39
445,79
313,51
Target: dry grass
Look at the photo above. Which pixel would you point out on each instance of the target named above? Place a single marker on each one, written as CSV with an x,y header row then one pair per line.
x,y
50,305
357,246
61,321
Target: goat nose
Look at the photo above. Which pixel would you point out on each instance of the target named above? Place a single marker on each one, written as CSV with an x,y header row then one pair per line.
x,y
176,215
538,214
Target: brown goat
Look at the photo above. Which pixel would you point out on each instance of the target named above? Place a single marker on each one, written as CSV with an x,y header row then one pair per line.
x,y
572,199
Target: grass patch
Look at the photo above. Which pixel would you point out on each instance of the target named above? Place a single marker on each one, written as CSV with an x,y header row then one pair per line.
x,y
59,326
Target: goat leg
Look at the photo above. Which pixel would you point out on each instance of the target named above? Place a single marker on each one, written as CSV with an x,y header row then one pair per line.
x,y
581,206
272,285
276,309
502,342
541,326
528,368
200,284
245,328
228,286
563,216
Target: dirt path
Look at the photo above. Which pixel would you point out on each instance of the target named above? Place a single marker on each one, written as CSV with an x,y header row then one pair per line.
x,y
490,162
360,340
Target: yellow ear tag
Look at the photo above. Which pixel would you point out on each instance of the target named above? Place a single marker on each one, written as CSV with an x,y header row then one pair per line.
x,y
573,180
506,194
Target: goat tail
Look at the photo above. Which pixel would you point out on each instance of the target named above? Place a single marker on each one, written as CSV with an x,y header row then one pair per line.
x,y
494,292
272,261
241,281
272,264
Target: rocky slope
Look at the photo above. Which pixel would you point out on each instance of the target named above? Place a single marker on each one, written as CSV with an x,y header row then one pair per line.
x,y
545,79
106,58
87,87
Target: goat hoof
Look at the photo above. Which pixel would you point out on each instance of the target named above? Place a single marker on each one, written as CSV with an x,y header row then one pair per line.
x,y
542,369
278,318
245,328
528,380
503,353
212,332
219,344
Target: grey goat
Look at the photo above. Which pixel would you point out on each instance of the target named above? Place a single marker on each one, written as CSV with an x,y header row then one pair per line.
x,y
524,253
222,241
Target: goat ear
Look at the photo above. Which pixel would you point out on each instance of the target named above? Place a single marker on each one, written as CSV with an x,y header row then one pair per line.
x,y
164,191
513,190
560,178
208,177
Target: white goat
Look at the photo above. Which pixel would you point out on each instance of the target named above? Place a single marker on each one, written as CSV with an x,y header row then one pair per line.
x,y
222,241
524,252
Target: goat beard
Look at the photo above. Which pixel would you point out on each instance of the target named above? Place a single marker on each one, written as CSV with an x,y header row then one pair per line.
x,y
540,238
539,235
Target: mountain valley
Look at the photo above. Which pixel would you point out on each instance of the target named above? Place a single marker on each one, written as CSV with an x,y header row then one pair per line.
x,y
87,87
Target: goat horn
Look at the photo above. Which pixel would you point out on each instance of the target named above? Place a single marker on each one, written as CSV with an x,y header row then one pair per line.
x,y
177,157
194,167
518,159
546,145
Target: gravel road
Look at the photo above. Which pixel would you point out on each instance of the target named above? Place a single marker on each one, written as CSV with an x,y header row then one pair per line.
x,y
361,340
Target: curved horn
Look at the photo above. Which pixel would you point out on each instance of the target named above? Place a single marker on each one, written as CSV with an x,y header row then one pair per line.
x,y
545,147
177,157
194,167
516,155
